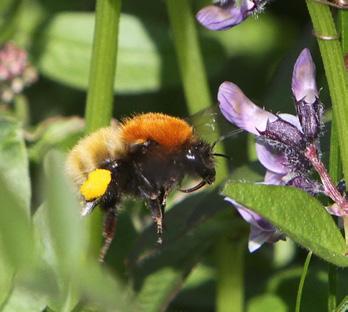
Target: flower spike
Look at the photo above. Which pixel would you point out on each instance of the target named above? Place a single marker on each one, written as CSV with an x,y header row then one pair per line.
x,y
225,14
286,145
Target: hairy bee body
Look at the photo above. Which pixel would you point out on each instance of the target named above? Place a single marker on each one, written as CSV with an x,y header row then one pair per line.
x,y
92,151
145,156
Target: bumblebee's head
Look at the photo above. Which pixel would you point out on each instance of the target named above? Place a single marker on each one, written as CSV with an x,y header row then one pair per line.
x,y
199,159
94,188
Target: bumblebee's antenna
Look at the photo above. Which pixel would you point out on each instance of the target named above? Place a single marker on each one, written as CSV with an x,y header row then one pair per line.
x,y
195,188
222,155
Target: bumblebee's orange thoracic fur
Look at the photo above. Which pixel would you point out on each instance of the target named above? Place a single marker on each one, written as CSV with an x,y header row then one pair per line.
x,y
170,132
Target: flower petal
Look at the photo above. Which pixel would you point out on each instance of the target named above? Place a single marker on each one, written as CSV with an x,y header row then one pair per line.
x,y
303,78
291,119
273,178
225,15
251,217
272,161
335,210
239,110
261,231
257,238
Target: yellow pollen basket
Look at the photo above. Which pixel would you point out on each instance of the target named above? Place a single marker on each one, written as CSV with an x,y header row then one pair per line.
x,y
96,184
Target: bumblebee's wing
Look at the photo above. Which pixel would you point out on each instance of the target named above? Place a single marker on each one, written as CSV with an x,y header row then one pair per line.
x,y
212,126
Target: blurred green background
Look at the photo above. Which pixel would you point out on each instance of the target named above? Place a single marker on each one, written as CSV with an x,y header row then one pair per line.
x,y
49,269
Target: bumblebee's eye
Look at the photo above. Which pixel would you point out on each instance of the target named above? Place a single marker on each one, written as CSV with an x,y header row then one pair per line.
x,y
189,155
96,184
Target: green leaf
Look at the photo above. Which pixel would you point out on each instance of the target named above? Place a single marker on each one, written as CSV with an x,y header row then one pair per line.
x,y
297,214
100,288
145,51
67,229
265,303
15,229
6,277
343,306
67,46
24,299
192,226
15,232
9,15
55,133
14,166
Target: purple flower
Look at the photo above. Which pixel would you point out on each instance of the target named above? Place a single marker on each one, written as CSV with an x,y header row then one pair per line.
x,y
261,231
282,139
15,72
225,14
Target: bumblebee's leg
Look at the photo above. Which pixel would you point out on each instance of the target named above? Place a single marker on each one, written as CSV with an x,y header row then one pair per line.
x,y
163,201
110,220
156,201
157,217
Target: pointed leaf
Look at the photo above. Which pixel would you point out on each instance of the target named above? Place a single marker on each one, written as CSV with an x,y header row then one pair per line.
x,y
14,161
145,51
15,228
192,226
67,229
299,215
23,299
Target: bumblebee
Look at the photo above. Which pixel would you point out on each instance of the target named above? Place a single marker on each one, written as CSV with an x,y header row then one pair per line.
x,y
145,157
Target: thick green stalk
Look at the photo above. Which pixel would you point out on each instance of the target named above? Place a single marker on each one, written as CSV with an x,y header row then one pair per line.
x,y
103,64
302,280
197,94
343,27
189,55
230,288
335,166
190,61
335,170
21,108
332,57
332,290
101,81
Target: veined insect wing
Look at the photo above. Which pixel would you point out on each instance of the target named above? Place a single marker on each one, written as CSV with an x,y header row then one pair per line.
x,y
212,126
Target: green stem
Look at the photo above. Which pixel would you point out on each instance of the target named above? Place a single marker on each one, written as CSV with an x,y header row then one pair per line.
x,y
190,61
103,65
335,167
335,170
343,27
189,55
68,302
230,288
302,280
332,57
197,94
101,82
21,108
332,294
